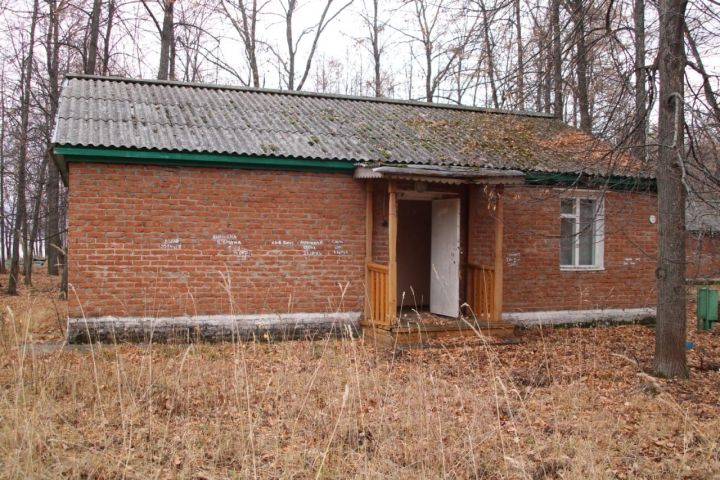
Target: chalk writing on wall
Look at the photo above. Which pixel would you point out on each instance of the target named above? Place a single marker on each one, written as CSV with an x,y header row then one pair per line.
x,y
310,247
232,245
171,244
512,259
339,248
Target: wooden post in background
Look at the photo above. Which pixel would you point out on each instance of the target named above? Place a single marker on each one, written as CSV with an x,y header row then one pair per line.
x,y
368,316
466,273
499,258
392,251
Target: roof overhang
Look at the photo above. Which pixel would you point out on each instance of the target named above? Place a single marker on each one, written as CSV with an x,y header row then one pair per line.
x,y
63,155
441,174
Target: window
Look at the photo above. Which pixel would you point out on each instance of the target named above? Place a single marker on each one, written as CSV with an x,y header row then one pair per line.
x,y
581,233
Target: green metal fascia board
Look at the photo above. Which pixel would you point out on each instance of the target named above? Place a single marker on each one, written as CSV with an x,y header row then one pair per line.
x,y
101,155
576,180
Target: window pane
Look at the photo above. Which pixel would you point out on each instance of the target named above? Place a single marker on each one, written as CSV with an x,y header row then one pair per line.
x,y
587,232
567,241
567,206
587,210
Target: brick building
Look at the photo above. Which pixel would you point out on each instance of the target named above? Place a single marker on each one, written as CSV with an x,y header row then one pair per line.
x,y
210,211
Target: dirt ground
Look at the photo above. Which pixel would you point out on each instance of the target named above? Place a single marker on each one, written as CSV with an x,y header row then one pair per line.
x,y
563,403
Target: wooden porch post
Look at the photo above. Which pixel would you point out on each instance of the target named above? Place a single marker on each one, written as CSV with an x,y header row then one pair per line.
x,y
499,259
368,246
392,251
469,297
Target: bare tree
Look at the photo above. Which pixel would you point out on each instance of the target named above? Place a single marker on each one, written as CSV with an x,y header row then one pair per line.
x,y
52,50
292,41
108,35
3,237
375,27
670,334
639,138
25,100
243,15
699,66
489,51
93,35
520,69
166,30
581,64
35,222
442,46
556,58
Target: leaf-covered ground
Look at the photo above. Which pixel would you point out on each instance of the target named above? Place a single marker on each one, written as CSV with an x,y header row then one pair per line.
x,y
564,403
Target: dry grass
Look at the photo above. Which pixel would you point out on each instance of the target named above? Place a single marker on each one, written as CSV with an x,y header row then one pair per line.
x,y
566,403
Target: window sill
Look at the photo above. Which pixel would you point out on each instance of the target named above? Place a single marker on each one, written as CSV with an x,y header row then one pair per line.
x,y
582,268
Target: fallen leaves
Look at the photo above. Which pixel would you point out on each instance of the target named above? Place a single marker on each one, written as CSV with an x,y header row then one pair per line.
x,y
563,403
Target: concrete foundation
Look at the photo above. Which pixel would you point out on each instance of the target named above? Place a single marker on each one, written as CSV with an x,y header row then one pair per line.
x,y
212,328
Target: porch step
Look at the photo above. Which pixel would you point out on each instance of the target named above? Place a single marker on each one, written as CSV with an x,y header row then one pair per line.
x,y
410,335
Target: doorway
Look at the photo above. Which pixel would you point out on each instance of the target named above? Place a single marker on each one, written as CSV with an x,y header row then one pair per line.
x,y
428,256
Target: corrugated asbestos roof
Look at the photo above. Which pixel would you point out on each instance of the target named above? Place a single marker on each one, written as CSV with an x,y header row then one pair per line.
x,y
102,112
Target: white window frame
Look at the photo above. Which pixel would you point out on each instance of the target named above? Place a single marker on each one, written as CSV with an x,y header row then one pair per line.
x,y
599,224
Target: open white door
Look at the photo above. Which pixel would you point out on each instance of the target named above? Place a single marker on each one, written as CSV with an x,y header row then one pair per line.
x,y
445,258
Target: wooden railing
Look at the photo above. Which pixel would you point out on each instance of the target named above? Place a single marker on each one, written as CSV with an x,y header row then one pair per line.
x,y
481,291
378,293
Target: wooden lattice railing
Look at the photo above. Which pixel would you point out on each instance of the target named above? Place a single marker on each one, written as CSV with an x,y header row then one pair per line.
x,y
378,293
481,291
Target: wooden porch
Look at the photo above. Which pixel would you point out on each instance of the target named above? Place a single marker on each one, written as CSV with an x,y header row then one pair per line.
x,y
481,302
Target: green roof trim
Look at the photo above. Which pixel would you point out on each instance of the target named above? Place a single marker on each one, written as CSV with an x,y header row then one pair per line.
x,y
164,158
591,181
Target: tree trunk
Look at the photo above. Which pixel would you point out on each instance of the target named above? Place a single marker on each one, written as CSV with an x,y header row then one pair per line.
x,y
520,73
581,67
108,32
490,55
376,50
639,137
166,39
94,34
34,227
3,258
26,98
290,44
52,229
556,58
670,358
547,78
428,71
173,56
251,41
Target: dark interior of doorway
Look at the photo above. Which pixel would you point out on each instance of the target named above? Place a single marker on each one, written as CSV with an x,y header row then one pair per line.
x,y
414,234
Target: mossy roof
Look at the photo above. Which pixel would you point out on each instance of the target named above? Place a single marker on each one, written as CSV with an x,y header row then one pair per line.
x,y
108,112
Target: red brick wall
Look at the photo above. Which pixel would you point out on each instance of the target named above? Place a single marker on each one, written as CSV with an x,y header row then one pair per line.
x,y
149,240
533,279
482,226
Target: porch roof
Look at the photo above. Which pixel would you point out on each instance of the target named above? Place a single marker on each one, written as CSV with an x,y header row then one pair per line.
x,y
441,174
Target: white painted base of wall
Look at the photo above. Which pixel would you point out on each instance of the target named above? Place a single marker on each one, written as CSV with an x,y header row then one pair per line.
x,y
569,317
211,327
